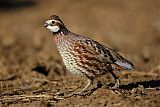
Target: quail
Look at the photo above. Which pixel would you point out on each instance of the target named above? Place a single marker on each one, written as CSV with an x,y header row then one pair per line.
x,y
83,56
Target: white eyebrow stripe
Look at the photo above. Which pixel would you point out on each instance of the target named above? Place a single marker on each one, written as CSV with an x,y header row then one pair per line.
x,y
50,21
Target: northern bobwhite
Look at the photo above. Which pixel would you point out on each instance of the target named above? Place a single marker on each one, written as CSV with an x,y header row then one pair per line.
x,y
83,56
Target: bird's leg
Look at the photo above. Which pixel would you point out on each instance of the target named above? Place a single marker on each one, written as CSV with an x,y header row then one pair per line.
x,y
89,82
117,81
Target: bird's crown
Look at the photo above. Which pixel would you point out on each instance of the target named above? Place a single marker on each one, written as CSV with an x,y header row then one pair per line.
x,y
54,24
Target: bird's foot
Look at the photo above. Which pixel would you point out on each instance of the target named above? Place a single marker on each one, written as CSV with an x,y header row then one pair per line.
x,y
117,82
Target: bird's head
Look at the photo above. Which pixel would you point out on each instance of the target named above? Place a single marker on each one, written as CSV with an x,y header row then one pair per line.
x,y
54,24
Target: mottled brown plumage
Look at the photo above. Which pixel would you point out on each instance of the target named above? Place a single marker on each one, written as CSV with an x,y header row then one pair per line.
x,y
84,56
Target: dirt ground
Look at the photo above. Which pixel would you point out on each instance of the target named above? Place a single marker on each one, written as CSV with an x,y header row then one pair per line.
x,y
32,72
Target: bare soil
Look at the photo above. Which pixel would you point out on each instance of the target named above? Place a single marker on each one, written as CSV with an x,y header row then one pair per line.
x,y
32,72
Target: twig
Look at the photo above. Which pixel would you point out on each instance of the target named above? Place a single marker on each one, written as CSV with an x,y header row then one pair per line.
x,y
16,98
9,78
45,80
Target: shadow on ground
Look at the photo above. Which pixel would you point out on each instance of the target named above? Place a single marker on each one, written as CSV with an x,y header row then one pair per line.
x,y
145,84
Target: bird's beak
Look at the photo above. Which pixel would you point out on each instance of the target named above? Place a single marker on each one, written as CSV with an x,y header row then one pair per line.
x,y
45,25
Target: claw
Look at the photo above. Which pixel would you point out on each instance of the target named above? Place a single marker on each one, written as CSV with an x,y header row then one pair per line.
x,y
116,84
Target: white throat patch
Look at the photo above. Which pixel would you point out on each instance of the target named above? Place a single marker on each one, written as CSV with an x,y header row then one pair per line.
x,y
53,28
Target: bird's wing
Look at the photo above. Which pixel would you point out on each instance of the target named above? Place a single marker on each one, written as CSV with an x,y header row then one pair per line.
x,y
97,52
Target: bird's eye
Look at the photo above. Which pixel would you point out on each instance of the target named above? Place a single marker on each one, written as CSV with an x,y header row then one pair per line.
x,y
53,22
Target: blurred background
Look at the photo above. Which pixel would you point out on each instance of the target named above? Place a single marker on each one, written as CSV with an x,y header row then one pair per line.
x,y
131,27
